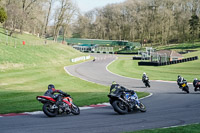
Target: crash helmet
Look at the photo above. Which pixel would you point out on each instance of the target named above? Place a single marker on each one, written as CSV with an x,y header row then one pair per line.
x,y
114,83
179,76
144,73
51,86
195,79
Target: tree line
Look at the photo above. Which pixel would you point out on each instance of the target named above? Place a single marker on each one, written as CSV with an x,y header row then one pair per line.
x,y
45,18
146,21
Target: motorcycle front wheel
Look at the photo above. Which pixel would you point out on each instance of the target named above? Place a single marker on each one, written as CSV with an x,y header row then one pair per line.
x,y
187,89
120,107
147,84
142,107
49,111
75,109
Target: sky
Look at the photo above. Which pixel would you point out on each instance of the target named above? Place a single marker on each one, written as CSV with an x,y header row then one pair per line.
x,y
87,5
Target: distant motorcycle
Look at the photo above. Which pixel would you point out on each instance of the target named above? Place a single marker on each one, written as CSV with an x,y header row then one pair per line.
x,y
146,82
124,102
197,86
184,86
51,110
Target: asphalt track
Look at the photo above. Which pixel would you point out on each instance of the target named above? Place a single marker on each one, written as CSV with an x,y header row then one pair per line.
x,y
168,106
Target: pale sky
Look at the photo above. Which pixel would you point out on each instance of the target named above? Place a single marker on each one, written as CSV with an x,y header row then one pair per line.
x,y
87,5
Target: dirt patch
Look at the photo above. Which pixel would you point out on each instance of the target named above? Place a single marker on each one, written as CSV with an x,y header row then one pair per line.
x,y
9,66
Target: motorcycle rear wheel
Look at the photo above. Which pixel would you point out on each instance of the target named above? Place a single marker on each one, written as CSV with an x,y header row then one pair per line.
x,y
48,111
120,107
75,110
142,107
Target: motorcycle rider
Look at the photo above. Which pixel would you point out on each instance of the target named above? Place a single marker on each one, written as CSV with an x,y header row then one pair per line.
x,y
132,92
115,85
195,84
50,92
144,76
180,81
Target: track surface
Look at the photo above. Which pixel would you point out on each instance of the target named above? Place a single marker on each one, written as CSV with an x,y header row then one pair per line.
x,y
168,106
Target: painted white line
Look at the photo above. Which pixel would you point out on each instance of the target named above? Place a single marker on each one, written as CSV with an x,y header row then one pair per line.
x,y
78,77
146,96
34,113
84,108
107,104
135,78
67,71
115,73
180,125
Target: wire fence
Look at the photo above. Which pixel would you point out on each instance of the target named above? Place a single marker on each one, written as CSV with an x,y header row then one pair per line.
x,y
15,41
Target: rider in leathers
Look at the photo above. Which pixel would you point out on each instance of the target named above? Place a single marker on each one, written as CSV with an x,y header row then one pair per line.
x,y
114,84
144,76
132,92
195,84
50,92
180,80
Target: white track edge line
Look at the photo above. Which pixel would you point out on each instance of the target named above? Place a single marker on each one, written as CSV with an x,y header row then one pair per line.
x,y
135,78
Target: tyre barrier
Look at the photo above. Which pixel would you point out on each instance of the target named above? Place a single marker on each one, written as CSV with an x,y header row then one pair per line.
x,y
142,63
140,58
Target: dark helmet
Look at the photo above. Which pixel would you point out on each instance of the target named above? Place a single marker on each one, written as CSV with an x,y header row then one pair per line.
x,y
114,83
179,76
51,86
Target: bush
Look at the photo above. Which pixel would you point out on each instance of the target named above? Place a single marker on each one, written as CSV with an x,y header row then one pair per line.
x,y
3,15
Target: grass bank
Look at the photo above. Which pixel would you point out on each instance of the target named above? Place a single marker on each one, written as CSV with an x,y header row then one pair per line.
x,y
26,70
194,128
189,70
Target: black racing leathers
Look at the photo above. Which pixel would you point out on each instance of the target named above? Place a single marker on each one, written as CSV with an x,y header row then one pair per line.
x,y
121,87
57,97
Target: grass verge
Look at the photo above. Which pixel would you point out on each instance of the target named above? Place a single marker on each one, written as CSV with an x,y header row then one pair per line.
x,y
193,128
129,68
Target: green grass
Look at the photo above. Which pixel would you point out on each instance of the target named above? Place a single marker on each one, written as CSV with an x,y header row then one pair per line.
x,y
194,128
128,67
26,71
181,47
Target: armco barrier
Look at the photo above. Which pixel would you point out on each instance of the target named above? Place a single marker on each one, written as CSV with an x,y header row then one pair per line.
x,y
142,63
80,58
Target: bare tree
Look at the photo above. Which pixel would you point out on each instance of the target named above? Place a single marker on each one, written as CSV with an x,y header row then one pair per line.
x,y
60,16
50,2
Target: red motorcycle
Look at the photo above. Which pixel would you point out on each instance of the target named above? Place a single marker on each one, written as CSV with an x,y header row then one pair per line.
x,y
51,109
197,86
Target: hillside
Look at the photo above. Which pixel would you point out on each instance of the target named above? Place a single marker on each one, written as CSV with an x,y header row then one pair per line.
x,y
26,70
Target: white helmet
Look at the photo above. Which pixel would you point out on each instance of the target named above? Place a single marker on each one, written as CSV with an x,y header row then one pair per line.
x,y
195,79
144,73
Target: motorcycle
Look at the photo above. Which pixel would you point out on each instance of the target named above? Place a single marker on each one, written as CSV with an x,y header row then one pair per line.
x,y
197,86
184,86
51,109
124,102
146,82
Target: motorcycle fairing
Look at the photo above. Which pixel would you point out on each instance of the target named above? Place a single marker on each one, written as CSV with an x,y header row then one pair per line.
x,y
66,100
46,97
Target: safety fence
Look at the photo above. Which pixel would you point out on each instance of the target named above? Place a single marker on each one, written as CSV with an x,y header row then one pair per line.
x,y
80,58
142,63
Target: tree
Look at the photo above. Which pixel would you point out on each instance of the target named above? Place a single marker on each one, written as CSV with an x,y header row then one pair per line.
x,y
50,2
194,25
3,15
62,17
